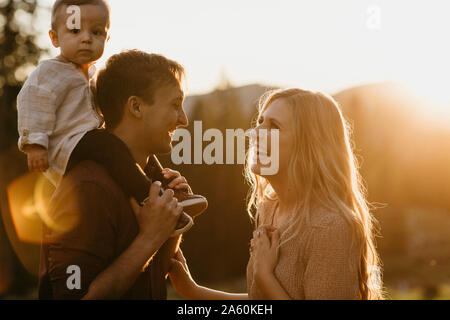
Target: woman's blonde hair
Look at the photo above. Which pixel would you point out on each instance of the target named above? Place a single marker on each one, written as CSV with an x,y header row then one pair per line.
x,y
323,171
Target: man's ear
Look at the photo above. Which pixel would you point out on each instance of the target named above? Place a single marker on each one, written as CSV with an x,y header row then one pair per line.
x,y
134,106
54,38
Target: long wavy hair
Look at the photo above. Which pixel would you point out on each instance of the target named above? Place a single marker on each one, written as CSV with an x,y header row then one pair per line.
x,y
324,171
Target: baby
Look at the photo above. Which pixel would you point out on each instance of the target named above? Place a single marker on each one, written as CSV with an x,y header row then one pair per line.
x,y
55,105
58,121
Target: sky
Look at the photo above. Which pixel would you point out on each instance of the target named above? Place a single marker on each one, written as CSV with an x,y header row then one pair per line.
x,y
322,44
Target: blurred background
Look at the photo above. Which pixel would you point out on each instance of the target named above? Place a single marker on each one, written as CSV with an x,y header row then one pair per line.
x,y
385,62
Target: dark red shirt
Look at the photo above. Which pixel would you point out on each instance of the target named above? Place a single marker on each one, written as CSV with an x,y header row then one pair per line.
x,y
90,223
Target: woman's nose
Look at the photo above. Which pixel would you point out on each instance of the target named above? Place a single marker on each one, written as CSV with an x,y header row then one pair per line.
x,y
261,135
260,130
253,135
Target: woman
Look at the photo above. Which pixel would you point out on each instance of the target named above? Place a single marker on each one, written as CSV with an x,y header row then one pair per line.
x,y
314,231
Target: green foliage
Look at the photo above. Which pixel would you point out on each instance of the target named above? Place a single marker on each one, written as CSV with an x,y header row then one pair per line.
x,y
18,51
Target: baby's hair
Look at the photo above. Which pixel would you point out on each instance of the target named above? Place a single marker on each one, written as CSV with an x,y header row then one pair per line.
x,y
60,3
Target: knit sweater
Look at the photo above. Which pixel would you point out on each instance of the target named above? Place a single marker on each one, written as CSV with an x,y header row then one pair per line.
x,y
318,263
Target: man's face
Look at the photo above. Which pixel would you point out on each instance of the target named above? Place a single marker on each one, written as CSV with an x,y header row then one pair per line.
x,y
162,118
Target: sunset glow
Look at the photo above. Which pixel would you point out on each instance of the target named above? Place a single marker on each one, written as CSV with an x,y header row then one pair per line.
x,y
324,44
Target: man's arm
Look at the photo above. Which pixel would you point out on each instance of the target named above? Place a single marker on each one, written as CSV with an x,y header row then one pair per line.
x,y
89,245
157,220
117,279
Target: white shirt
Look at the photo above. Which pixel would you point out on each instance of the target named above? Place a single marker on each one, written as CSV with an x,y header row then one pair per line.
x,y
55,110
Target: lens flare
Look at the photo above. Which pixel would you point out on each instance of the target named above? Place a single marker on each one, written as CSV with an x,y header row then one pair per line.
x,y
29,197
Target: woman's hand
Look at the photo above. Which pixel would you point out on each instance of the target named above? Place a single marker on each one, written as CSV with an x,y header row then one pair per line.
x,y
264,250
180,276
178,183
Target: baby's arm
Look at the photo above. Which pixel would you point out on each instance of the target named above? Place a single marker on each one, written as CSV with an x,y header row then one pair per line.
x,y
37,115
37,157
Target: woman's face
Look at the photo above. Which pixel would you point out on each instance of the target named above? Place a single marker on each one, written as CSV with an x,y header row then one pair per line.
x,y
277,116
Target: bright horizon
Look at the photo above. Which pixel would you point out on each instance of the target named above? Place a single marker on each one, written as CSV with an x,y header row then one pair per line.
x,y
324,44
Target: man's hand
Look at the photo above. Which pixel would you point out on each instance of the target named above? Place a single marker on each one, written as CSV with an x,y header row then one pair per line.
x,y
159,215
178,182
37,158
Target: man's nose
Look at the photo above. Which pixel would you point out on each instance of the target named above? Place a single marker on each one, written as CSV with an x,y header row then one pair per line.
x,y
182,119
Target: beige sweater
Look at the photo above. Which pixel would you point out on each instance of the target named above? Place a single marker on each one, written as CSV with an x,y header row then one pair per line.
x,y
316,264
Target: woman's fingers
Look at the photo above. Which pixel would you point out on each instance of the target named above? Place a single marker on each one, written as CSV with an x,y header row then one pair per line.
x,y
135,206
260,240
177,261
264,239
180,257
275,241
175,265
267,228
264,229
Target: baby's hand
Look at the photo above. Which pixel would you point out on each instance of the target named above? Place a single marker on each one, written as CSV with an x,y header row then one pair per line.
x,y
37,158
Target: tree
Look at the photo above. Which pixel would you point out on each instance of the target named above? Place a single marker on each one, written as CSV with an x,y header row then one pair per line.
x,y
18,53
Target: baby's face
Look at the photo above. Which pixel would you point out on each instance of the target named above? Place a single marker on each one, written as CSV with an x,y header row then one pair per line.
x,y
85,45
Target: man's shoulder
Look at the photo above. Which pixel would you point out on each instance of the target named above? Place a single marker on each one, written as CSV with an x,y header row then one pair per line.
x,y
92,174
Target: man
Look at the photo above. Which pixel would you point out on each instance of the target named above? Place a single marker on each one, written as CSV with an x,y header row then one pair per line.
x,y
99,244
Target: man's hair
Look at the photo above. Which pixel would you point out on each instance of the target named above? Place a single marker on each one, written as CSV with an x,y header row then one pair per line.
x,y
132,73
59,4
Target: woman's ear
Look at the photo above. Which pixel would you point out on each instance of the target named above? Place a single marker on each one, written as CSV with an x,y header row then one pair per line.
x,y
134,106
54,38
